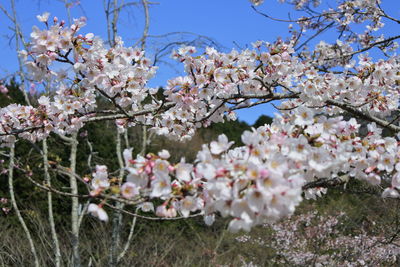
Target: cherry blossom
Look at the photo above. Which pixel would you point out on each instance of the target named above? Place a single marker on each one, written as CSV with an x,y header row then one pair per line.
x,y
98,212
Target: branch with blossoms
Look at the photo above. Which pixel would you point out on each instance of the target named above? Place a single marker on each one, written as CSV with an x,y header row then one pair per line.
x,y
264,180
342,17
250,74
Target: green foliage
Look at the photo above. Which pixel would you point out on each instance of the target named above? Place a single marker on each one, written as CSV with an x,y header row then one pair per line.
x,y
232,129
263,119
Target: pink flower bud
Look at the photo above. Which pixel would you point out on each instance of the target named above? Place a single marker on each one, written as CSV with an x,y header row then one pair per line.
x,y
3,89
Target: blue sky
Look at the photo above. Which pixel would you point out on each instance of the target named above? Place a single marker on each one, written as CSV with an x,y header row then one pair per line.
x,y
231,23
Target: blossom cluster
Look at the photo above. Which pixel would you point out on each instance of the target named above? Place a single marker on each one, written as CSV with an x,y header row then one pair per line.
x,y
344,14
214,80
119,74
263,180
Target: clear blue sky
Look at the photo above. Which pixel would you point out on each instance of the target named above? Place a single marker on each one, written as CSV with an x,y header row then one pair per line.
x,y
229,22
